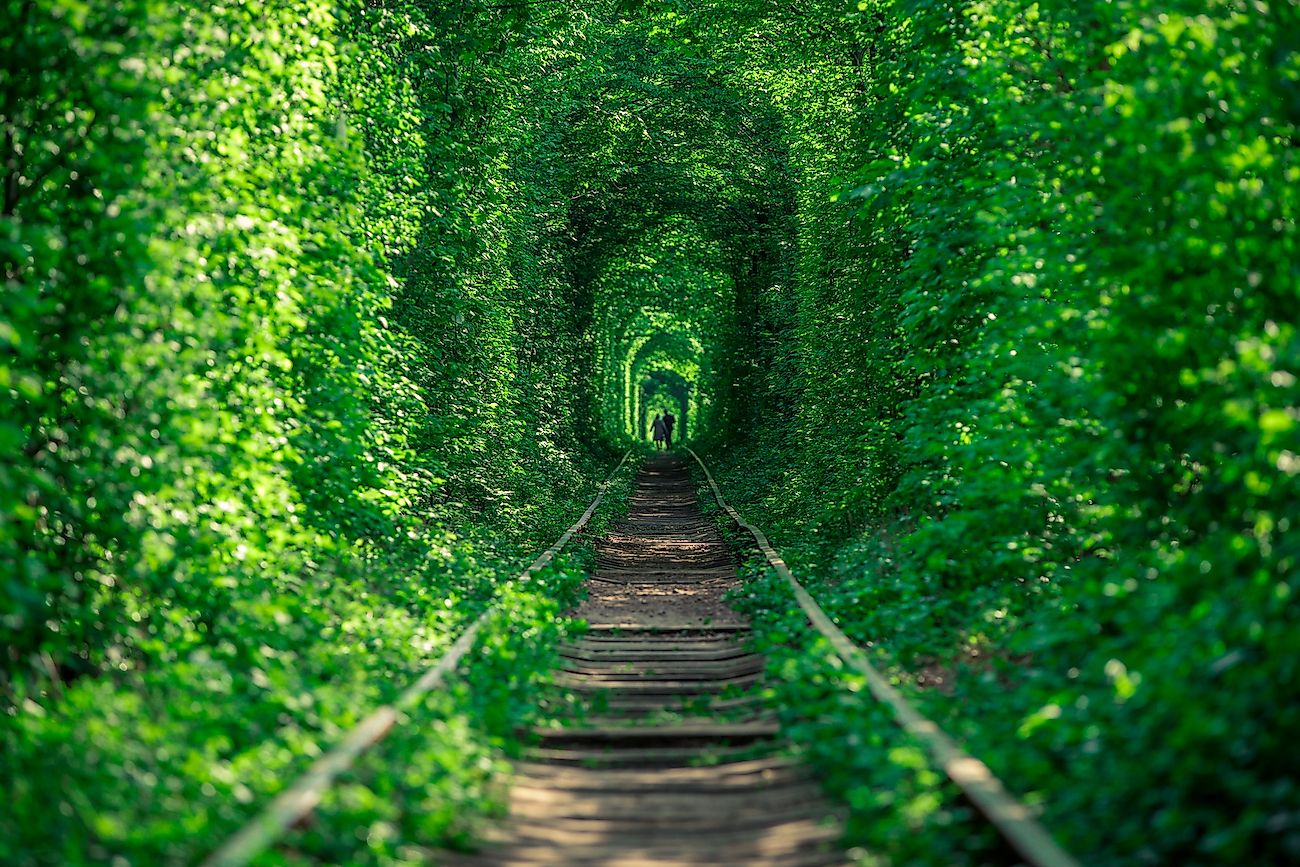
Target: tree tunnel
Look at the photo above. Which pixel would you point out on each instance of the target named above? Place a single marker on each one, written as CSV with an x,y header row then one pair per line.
x,y
665,390
673,187
667,310
667,364
322,316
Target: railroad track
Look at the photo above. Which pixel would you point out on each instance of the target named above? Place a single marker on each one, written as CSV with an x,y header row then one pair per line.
x,y
670,758
656,747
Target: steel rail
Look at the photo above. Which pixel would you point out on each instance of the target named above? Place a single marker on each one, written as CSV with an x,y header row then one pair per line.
x,y
301,797
1012,819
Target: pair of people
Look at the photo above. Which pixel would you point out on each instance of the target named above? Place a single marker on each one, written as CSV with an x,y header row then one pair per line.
x,y
662,430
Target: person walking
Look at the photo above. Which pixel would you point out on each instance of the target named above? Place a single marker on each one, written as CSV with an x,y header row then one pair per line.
x,y
669,421
659,430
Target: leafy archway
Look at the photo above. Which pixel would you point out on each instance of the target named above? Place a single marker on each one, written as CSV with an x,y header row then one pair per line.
x,y
664,389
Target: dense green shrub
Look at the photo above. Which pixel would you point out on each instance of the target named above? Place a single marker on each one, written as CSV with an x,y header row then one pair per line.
x,y
258,472
1067,374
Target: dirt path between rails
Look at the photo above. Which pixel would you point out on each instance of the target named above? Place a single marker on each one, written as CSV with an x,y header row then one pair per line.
x,y
667,566
667,756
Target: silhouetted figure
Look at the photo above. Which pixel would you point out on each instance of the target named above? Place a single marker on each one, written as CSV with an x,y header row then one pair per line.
x,y
669,421
659,430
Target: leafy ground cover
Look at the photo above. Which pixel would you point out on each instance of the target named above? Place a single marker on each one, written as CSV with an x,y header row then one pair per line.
x,y
436,781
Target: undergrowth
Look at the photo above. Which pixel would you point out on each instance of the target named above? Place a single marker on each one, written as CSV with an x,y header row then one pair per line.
x,y
442,776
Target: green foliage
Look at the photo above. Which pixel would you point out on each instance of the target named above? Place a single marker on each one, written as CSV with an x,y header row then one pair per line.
x,y
318,317
1041,445
442,775
900,809
264,460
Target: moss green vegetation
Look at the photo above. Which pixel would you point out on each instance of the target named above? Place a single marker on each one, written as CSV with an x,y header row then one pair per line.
x,y
319,316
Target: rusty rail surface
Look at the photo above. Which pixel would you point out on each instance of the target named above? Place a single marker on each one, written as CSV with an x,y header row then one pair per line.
x,y
301,797
1012,819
